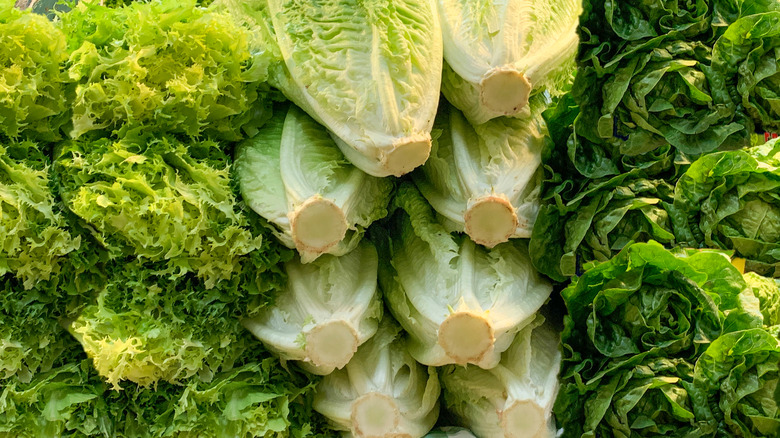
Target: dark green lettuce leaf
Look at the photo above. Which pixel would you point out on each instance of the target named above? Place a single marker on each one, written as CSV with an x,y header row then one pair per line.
x,y
750,51
635,329
731,200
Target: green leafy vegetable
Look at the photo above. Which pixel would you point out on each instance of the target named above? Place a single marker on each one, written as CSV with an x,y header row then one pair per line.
x,y
33,88
368,71
159,199
731,200
515,398
383,392
460,303
327,310
295,176
484,179
500,53
640,330
167,66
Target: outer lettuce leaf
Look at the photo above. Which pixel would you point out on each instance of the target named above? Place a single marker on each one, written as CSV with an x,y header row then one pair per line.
x,y
636,326
731,200
33,89
159,199
167,66
291,163
498,159
435,279
368,71
536,41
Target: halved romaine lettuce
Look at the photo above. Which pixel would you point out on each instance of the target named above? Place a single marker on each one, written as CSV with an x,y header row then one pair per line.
x,y
515,398
382,392
328,309
485,179
369,71
499,53
293,175
460,303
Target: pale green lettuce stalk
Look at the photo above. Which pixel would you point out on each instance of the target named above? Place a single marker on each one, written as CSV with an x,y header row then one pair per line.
x,y
459,302
327,310
498,54
485,179
293,175
382,392
370,72
515,398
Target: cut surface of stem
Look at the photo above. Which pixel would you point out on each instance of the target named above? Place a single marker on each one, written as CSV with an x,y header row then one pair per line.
x,y
523,419
317,225
375,415
504,90
466,337
407,154
331,344
490,220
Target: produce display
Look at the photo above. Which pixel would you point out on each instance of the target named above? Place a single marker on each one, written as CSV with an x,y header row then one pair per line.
x,y
389,219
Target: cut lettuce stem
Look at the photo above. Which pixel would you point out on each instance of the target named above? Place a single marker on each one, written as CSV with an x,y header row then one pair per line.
x,y
523,419
375,415
504,90
331,344
407,154
490,220
466,337
317,225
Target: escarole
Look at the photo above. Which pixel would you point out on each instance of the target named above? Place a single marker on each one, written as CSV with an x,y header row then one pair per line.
x,y
459,302
293,175
328,308
369,71
485,179
498,54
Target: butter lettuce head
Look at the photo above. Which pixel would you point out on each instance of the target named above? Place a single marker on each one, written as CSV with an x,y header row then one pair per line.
x,y
368,71
485,179
293,175
382,392
515,398
731,200
460,303
326,311
638,327
498,54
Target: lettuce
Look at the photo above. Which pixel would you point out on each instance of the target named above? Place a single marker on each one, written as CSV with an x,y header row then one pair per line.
x,y
484,179
159,199
731,200
641,332
293,174
167,66
367,71
33,88
498,54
